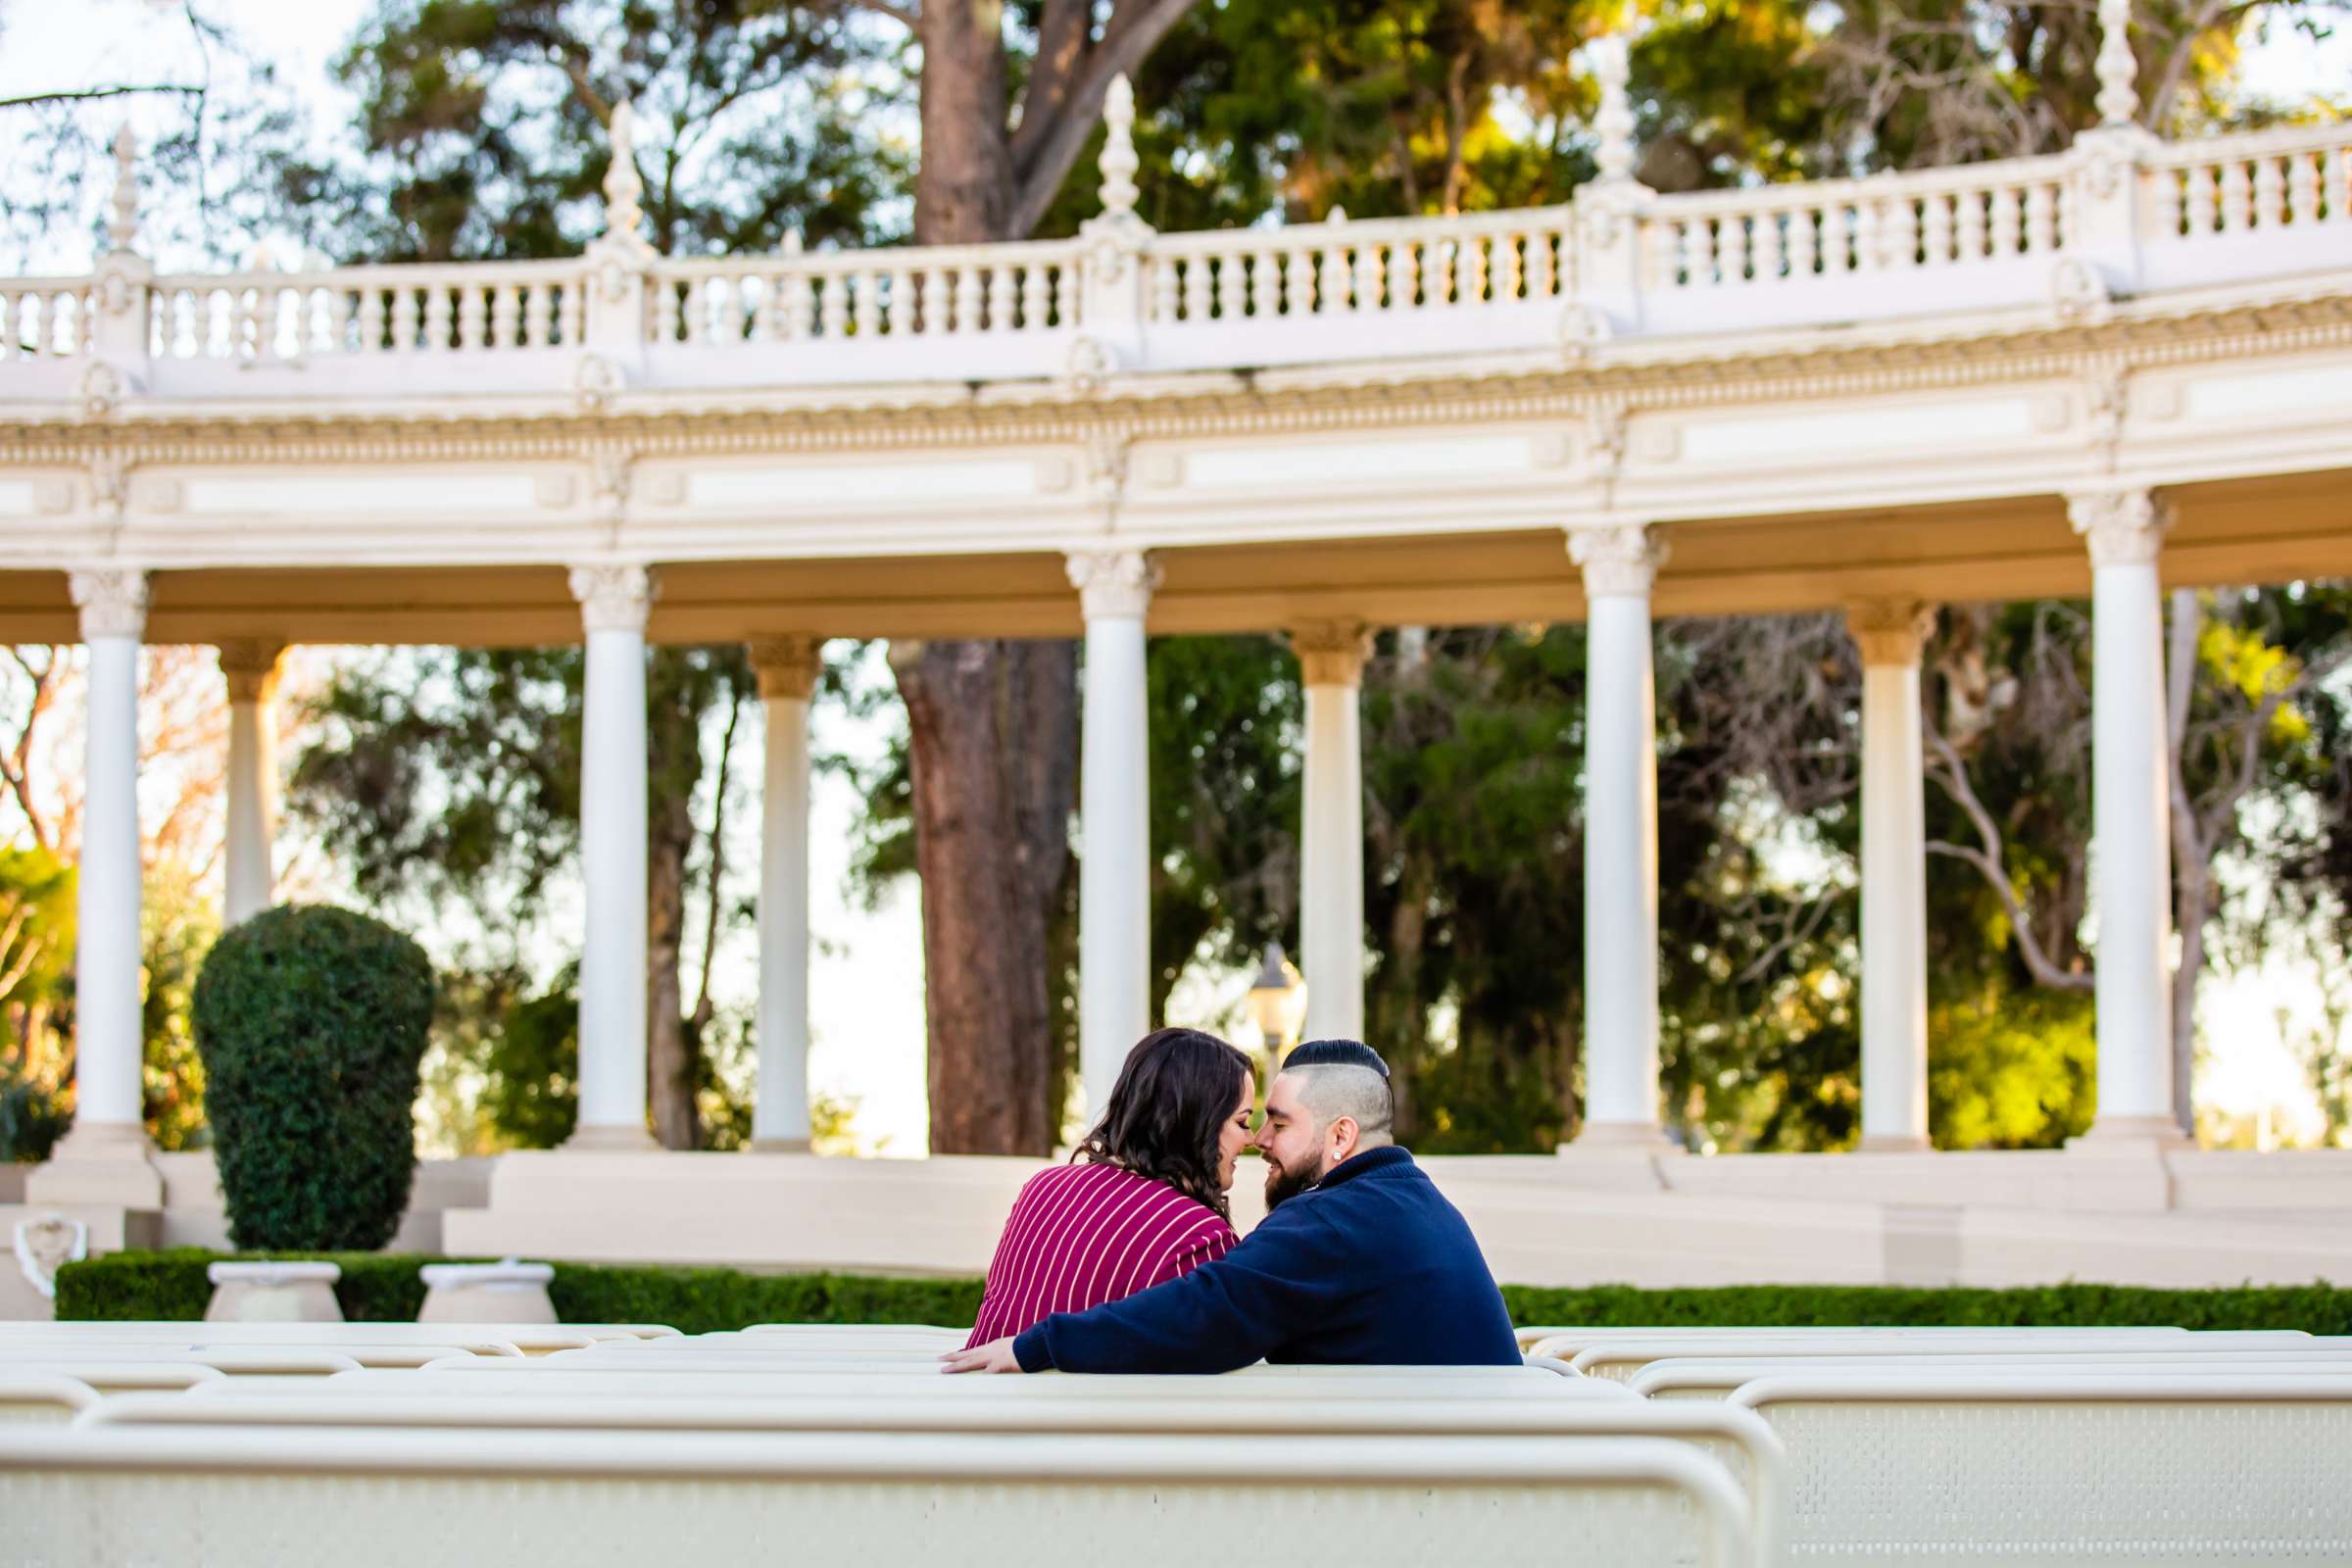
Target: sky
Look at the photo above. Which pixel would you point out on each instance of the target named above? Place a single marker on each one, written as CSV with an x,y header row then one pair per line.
x,y
867,982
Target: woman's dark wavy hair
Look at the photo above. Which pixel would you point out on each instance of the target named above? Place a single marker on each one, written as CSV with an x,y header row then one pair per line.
x,y
1166,1112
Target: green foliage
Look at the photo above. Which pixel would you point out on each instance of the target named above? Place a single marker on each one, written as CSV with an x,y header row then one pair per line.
x,y
2315,1308
532,1094
481,128
311,1024
33,1116
2011,1068
36,960
1225,734
181,922
382,1288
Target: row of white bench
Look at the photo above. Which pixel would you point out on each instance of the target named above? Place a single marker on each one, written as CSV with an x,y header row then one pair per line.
x,y
221,1443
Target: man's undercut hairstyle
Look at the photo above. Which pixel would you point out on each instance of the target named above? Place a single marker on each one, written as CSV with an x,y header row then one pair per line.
x,y
1345,1078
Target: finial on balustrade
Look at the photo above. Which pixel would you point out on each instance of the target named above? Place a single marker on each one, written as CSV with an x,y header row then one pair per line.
x,y
124,229
1613,122
1118,162
623,187
2118,69
1338,215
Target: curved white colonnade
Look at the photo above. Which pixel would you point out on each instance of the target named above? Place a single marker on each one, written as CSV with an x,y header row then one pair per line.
x,y
2108,371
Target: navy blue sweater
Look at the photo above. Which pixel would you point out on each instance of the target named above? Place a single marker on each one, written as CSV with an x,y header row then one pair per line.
x,y
1371,1267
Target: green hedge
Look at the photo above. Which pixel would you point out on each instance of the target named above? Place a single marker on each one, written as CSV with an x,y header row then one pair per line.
x,y
383,1287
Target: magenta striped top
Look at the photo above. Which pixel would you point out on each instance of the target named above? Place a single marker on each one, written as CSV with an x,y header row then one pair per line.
x,y
1083,1235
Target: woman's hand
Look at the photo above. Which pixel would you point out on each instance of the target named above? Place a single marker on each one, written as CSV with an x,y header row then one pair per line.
x,y
994,1356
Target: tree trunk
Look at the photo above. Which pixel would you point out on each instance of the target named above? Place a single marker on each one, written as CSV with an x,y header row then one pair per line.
x,y
991,724
963,188
669,1070
989,729
2193,868
673,768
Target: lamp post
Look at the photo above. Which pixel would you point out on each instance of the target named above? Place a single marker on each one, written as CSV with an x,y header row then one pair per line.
x,y
1277,1006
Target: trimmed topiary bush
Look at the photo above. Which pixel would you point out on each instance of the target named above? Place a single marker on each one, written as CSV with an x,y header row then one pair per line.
x,y
312,1025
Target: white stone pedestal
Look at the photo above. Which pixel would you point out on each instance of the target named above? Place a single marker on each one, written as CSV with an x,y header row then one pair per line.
x,y
274,1293
508,1292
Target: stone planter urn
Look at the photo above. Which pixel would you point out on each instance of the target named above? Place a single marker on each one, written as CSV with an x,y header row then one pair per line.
x,y
505,1291
274,1293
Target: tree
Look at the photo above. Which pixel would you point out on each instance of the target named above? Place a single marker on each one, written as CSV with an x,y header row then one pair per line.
x,y
182,735
2247,670
454,776
209,109
482,133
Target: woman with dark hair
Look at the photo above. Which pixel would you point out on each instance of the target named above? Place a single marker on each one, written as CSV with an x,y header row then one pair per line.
x,y
1142,1201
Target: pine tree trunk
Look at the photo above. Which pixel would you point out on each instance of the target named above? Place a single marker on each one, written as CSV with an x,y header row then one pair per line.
x,y
992,725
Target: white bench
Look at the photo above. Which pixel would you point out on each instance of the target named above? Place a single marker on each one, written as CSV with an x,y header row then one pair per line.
x,y
1621,1359
484,1339
488,1379
45,1398
823,1328
930,1341
80,1498
128,1377
1734,1436
1917,1466
249,1360
1701,1377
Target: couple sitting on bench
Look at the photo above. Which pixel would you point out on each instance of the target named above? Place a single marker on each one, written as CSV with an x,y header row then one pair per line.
x,y
1124,1259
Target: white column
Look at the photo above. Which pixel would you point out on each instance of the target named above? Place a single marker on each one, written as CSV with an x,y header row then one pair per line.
x,y
102,1160
1114,817
1331,897
613,604
1895,884
1621,840
250,670
788,669
2131,851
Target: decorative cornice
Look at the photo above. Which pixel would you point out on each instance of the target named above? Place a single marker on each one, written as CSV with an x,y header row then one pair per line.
x,y
2123,527
1620,561
1113,583
1889,631
788,666
1530,385
615,597
1332,653
250,665
112,601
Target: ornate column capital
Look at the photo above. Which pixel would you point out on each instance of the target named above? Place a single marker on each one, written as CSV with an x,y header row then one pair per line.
x,y
1332,653
1620,561
112,601
2123,527
1113,583
788,666
615,597
249,665
1889,631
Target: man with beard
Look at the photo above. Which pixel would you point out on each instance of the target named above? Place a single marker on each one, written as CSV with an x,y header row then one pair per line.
x,y
1359,1260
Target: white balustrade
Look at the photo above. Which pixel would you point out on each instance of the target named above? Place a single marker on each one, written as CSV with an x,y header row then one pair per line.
x,y
932,291
1970,225
44,318
1385,265
1938,219
2290,179
476,307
